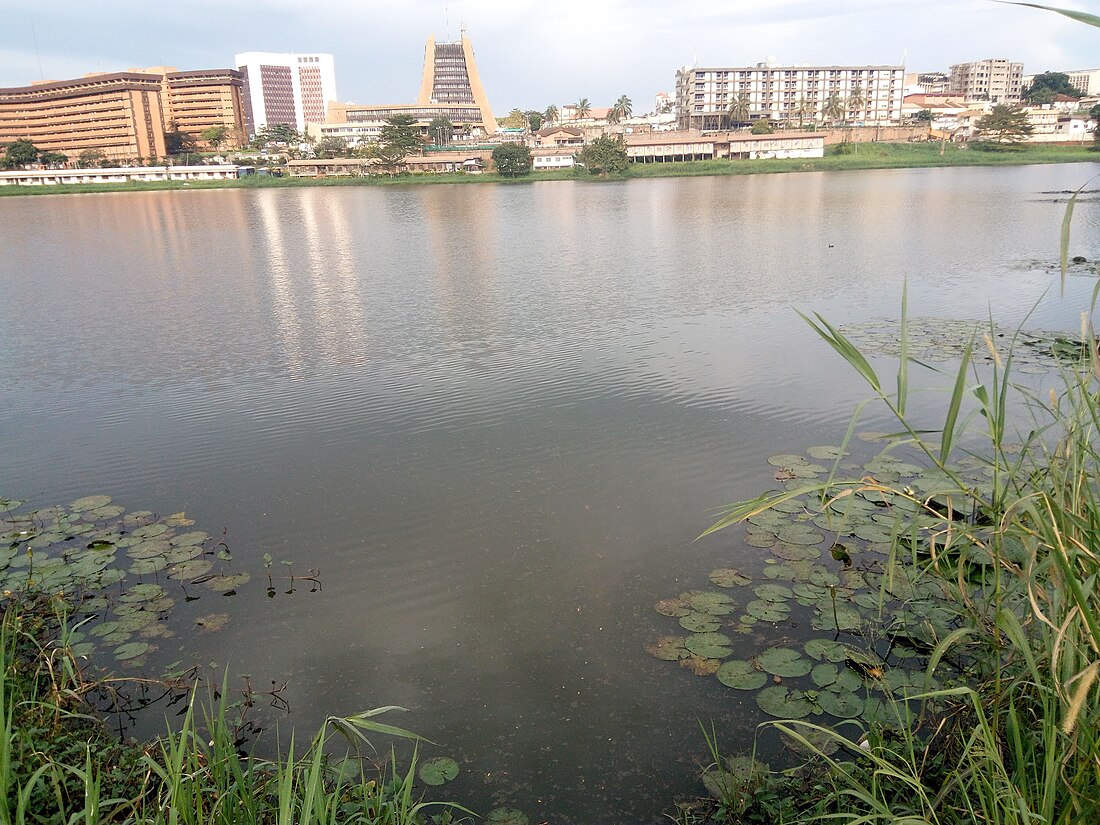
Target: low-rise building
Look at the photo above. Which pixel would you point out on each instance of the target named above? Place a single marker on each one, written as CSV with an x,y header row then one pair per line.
x,y
555,136
665,147
124,174
543,160
996,79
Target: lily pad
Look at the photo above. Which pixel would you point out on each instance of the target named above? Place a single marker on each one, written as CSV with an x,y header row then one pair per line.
x,y
700,666
212,622
741,675
225,584
131,650
673,607
438,770
768,611
708,601
506,816
826,649
798,534
773,593
668,648
786,460
728,577
90,502
190,569
709,645
780,702
825,453
783,661
841,705
825,674
795,552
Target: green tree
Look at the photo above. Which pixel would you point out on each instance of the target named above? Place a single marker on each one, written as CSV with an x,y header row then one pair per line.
x,y
440,131
277,134
620,109
398,139
89,158
53,160
512,159
1045,86
856,100
214,136
331,147
177,142
762,127
739,108
803,109
515,119
21,153
581,108
551,114
834,108
605,155
534,120
923,116
1004,127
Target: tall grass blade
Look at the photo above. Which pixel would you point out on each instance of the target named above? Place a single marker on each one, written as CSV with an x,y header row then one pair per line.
x,y
947,439
1079,16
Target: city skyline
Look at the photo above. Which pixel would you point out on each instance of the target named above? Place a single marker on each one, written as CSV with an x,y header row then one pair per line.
x,y
532,54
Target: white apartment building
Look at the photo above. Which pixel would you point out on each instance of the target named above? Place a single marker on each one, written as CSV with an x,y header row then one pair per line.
x,y
290,89
996,80
1086,81
709,99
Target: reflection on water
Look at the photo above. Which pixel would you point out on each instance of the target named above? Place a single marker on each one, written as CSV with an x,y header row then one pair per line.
x,y
494,417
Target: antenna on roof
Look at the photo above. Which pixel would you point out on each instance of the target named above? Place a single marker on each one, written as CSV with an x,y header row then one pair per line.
x,y
37,53
447,20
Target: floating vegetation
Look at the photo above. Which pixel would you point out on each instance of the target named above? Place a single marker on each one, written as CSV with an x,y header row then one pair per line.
x,y
438,770
93,549
506,816
942,339
828,567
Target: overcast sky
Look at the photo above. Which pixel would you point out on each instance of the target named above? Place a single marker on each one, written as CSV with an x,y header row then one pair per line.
x,y
532,53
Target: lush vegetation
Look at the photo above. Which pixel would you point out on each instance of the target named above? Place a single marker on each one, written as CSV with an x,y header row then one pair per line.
x,y
606,155
512,159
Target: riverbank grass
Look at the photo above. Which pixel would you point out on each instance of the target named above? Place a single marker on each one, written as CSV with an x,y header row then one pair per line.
x,y
851,157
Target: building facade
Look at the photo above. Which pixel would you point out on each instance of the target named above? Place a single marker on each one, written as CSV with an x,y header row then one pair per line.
x,y
118,114
713,98
285,89
996,80
450,78
1086,81
192,102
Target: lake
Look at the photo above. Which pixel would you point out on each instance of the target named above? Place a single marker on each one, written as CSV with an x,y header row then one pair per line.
x,y
493,418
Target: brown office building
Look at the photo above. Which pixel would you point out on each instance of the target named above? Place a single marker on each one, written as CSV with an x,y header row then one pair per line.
x,y
124,114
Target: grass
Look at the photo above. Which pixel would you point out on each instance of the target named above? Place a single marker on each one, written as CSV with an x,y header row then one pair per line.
x,y
863,156
1016,738
60,764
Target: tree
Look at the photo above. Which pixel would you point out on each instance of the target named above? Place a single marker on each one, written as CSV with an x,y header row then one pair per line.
x,y
551,114
515,119
834,108
803,109
1004,127
512,159
856,100
739,108
923,116
604,155
762,127
21,153
581,108
441,130
1044,87
89,158
331,147
177,142
397,140
214,135
534,120
620,109
279,134
53,160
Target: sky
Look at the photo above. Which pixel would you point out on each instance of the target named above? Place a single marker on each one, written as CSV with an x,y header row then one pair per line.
x,y
534,53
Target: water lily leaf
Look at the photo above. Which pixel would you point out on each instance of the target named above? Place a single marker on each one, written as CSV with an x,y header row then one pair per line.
x,y
194,537
795,552
800,534
708,601
190,569
179,520
825,674
783,661
826,649
773,592
131,650
149,549
824,453
762,539
90,502
438,770
786,460
699,623
673,607
506,816
842,705
668,648
817,742
185,552
146,567
709,645
104,513
780,702
842,617
741,675
224,584
728,577
143,593
768,611
700,666
150,531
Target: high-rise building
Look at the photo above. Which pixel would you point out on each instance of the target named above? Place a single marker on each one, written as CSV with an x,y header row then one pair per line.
x,y
288,89
714,98
192,102
996,80
1086,81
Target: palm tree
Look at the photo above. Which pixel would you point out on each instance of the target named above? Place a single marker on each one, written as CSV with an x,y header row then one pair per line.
x,y
625,107
581,108
803,109
856,100
739,108
834,107
551,114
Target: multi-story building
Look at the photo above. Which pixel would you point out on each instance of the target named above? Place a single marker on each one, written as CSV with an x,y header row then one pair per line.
x,y
118,114
710,99
286,89
996,80
1086,81
192,102
450,88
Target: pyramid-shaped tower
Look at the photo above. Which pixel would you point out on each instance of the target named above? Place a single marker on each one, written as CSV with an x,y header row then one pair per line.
x,y
450,76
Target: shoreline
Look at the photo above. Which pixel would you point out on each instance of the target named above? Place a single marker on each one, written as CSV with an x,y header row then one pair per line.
x,y
865,156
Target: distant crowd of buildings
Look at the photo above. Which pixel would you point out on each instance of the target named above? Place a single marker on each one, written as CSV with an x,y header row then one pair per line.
x,y
132,116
